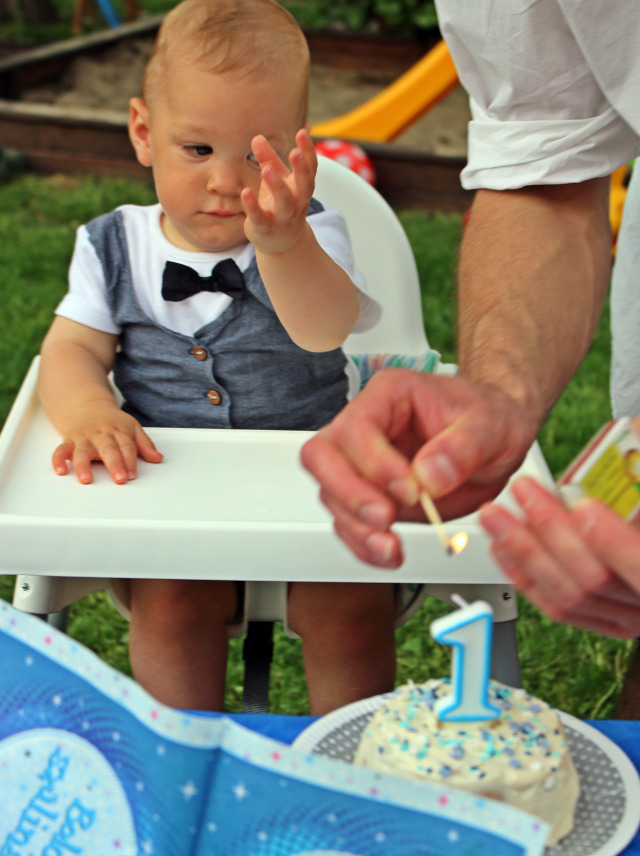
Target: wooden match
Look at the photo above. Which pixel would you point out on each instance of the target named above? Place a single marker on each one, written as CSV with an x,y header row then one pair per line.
x,y
433,516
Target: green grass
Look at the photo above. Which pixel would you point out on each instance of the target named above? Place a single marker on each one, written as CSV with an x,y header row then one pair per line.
x,y
309,14
19,32
574,670
38,219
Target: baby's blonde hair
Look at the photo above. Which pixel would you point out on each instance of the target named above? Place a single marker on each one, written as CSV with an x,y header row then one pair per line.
x,y
246,37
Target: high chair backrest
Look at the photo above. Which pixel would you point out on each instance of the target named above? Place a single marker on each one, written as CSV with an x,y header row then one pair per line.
x,y
383,255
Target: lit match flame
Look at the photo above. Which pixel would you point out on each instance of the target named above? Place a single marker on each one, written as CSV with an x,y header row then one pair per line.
x,y
458,542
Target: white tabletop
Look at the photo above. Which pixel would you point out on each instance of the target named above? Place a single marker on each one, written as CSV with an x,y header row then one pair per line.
x,y
230,504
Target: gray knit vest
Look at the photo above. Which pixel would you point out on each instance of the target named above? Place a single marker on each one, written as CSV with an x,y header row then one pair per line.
x,y
239,371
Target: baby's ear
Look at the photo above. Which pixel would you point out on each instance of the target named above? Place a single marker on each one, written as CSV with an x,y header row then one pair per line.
x,y
139,132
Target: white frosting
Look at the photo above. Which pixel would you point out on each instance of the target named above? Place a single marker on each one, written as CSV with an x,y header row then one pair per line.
x,y
521,758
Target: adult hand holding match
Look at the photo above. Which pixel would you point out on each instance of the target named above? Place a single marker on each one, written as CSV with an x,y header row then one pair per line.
x,y
407,433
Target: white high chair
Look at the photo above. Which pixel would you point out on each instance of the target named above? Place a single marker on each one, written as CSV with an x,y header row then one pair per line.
x,y
262,522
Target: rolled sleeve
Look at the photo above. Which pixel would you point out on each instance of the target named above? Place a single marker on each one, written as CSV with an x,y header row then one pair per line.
x,y
511,154
539,113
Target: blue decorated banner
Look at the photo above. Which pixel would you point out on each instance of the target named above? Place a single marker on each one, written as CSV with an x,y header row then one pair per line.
x,y
91,765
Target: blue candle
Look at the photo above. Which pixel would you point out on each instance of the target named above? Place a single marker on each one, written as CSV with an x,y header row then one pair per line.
x,y
468,630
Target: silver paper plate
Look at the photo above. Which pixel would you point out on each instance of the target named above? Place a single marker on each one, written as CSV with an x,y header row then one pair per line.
x,y
608,811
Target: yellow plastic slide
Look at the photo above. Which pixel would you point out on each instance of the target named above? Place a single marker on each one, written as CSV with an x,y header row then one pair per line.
x,y
387,114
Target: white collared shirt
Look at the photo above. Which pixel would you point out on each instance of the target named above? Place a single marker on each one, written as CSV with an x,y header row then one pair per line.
x,y
554,87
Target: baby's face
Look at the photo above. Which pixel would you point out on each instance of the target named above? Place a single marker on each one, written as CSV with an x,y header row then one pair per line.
x,y
201,127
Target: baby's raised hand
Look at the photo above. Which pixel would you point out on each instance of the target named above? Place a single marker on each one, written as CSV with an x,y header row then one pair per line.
x,y
103,432
276,217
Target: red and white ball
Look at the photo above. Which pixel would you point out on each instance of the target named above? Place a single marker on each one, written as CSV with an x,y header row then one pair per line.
x,y
349,155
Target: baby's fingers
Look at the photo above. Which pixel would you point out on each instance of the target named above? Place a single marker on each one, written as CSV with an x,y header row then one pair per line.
x,y
306,146
258,217
146,447
80,460
117,453
62,454
266,155
304,163
282,198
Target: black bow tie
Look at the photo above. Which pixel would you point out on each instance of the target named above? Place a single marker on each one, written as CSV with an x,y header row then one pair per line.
x,y
180,281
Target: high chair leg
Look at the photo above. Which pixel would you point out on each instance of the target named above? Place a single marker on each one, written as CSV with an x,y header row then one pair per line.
x,y
59,620
257,653
505,664
42,595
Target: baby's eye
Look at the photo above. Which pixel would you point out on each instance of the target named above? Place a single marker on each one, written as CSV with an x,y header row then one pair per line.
x,y
252,159
199,151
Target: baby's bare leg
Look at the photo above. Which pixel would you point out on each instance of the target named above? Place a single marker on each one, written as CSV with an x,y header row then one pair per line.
x,y
348,640
178,639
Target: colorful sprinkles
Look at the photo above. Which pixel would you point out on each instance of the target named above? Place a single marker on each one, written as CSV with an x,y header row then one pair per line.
x,y
525,739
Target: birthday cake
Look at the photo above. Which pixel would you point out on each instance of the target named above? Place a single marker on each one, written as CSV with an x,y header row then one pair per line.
x,y
521,757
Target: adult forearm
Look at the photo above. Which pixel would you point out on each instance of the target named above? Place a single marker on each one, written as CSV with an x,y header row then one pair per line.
x,y
534,271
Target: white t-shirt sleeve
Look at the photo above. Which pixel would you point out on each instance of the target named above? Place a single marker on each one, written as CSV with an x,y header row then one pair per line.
x,y
86,299
330,228
539,116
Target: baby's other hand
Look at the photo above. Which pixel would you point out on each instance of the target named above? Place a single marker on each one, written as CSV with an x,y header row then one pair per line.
x,y
103,432
276,217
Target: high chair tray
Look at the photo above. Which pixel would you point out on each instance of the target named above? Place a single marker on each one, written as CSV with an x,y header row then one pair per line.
x,y
234,504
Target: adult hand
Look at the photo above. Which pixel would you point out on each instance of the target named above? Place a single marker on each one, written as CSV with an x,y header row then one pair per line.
x,y
407,432
581,567
103,432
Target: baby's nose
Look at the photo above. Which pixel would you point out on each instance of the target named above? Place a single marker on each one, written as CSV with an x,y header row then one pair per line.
x,y
224,178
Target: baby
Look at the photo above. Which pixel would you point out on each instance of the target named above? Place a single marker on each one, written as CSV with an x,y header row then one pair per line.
x,y
224,305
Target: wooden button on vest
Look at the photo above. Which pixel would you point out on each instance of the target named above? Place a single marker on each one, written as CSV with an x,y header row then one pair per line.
x,y
214,396
199,353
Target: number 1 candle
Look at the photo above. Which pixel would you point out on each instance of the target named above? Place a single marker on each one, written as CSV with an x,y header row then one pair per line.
x,y
469,630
